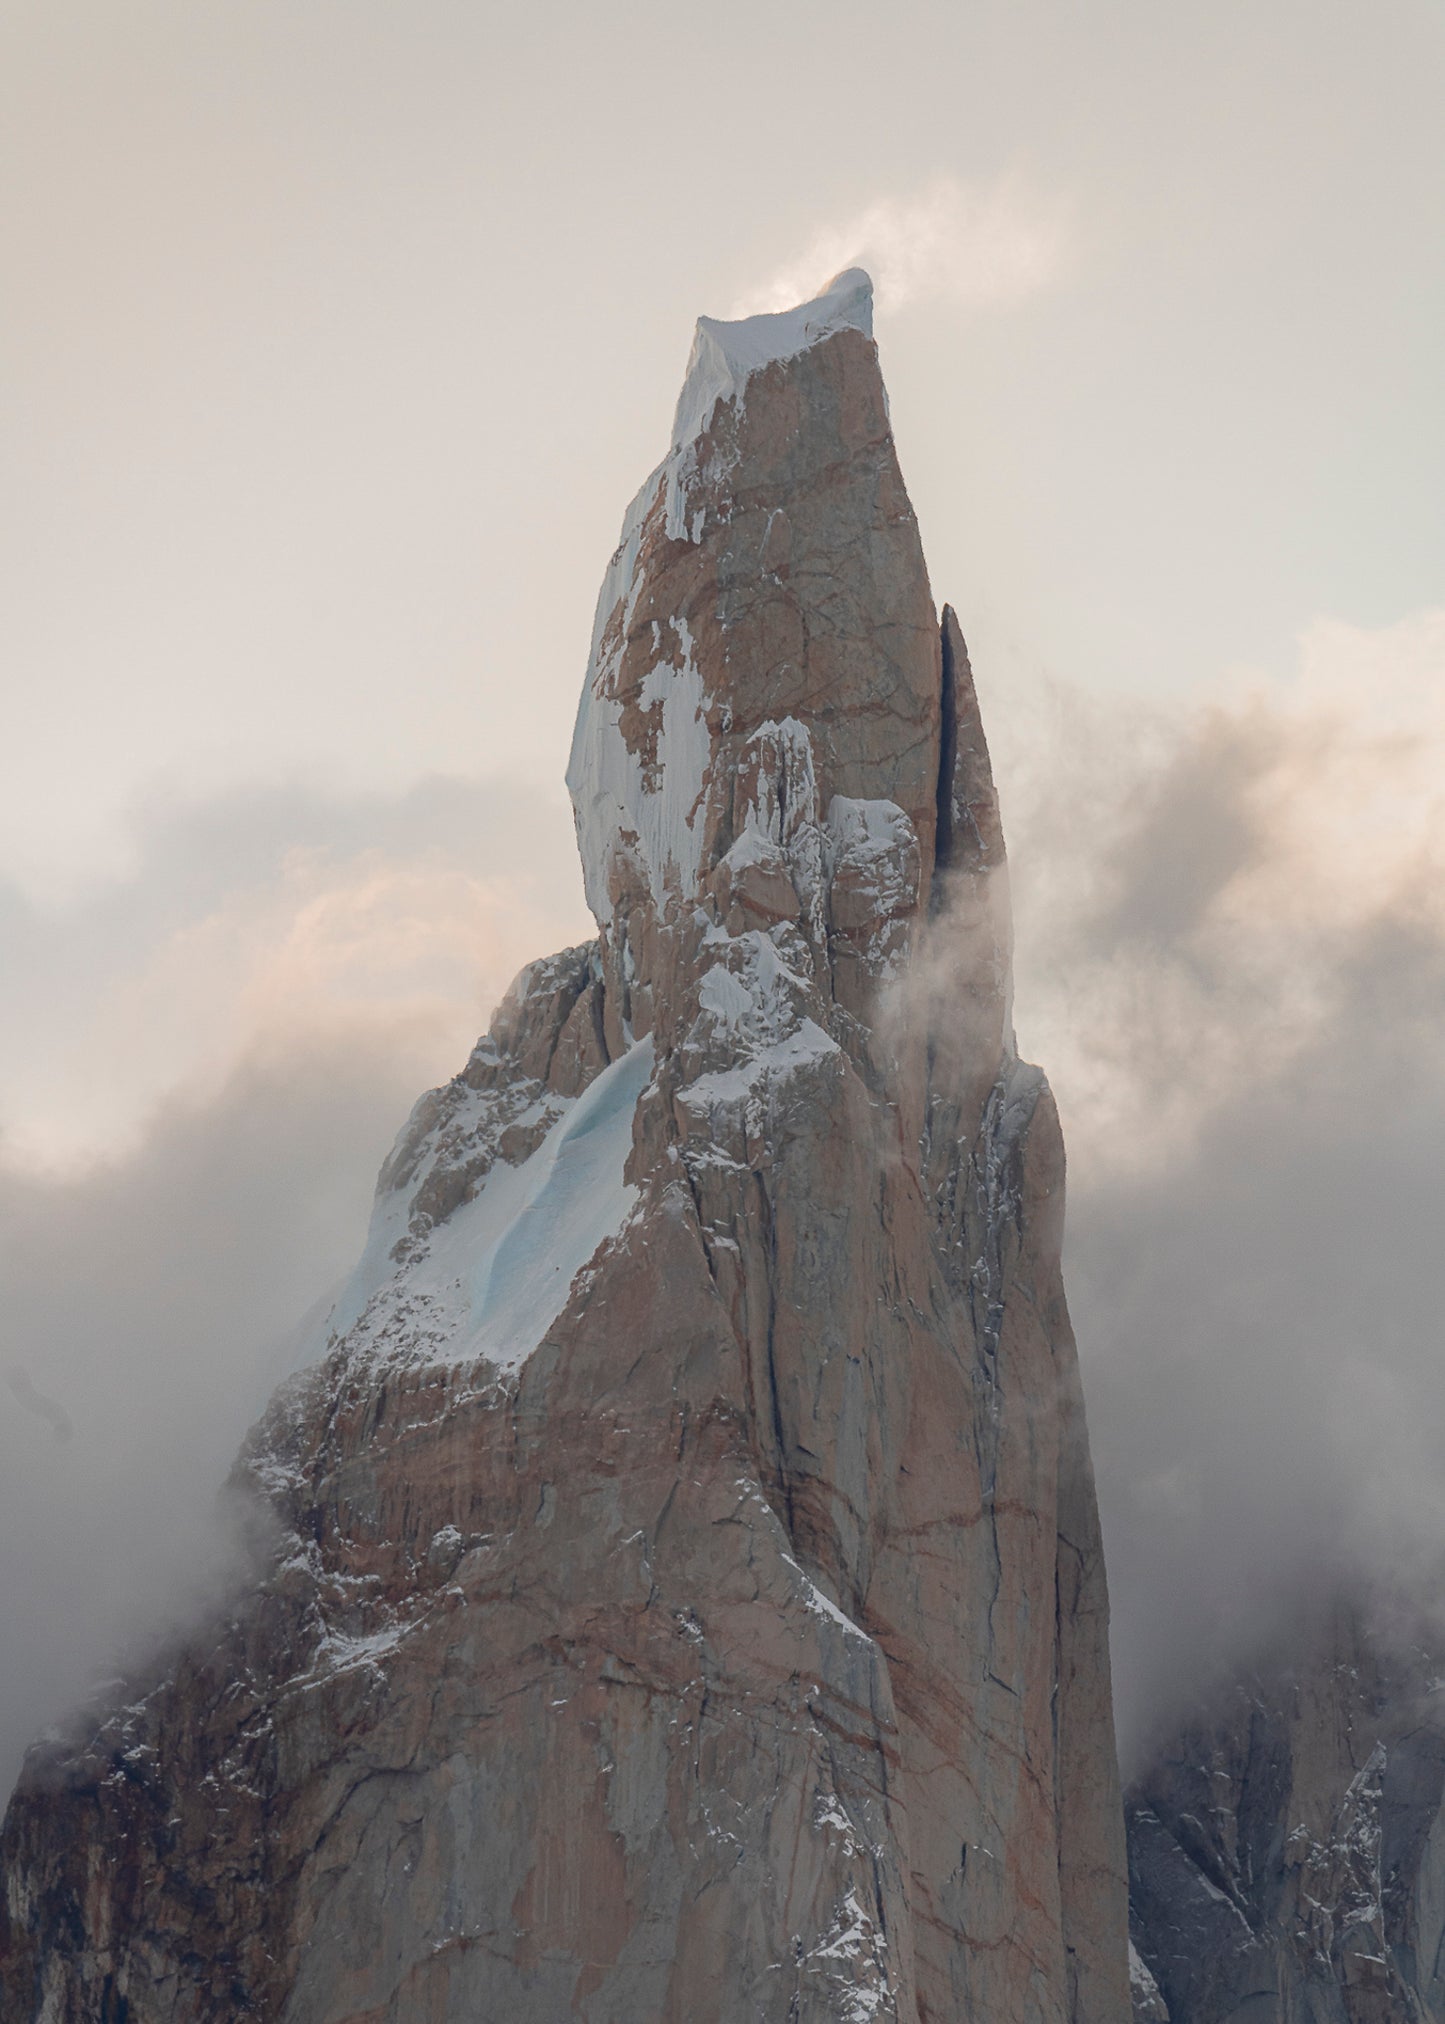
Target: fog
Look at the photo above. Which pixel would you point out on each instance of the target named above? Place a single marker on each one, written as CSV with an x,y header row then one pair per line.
x,y
1232,962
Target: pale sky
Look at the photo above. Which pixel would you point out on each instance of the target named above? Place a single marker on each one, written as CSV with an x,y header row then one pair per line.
x,y
337,335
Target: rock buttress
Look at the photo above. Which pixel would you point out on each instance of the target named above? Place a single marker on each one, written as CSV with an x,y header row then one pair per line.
x,y
683,1598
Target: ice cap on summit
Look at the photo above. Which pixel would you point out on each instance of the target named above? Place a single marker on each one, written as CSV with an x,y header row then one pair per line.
x,y
726,355
613,792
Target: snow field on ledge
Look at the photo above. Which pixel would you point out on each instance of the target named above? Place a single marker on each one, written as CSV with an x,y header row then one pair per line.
x,y
495,1276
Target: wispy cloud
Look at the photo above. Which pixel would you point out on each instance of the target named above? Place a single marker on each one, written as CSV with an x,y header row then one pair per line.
x,y
261,912
975,245
1238,857
1232,962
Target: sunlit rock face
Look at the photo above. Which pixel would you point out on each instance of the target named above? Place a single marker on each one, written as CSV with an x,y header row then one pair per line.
x,y
1287,1846
682,1598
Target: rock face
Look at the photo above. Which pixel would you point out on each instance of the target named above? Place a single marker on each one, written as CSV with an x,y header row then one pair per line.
x,y
1287,1854
683,1597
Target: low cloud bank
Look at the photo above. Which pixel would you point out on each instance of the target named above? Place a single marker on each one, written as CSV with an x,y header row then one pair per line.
x,y
268,911
1232,962
149,1307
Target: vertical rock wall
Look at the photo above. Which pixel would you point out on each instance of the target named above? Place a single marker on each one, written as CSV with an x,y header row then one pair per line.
x,y
683,1596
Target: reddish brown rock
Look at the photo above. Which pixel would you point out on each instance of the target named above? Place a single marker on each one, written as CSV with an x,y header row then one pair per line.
x,y
685,1600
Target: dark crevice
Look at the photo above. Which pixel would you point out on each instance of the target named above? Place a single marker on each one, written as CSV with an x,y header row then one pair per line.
x,y
947,762
690,1182
783,1474
598,988
559,1025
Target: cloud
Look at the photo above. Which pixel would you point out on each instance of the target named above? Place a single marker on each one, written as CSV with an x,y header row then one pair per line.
x,y
972,245
276,909
149,1306
1231,935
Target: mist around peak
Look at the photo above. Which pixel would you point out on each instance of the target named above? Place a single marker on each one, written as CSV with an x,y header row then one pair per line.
x,y
1231,957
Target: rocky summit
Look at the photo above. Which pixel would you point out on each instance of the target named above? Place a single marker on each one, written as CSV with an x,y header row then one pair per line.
x,y
679,1591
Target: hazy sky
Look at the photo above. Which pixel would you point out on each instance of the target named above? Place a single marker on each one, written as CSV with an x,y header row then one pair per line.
x,y
338,332
337,335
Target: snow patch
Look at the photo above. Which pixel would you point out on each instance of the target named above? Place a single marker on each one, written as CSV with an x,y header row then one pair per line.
x,y
850,1956
530,1231
1142,1986
753,846
754,997
493,1278
878,845
824,1606
776,1063
339,1653
749,1023
651,797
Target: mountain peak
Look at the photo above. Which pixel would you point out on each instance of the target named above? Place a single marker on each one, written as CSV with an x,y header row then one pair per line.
x,y
680,1589
726,353
766,657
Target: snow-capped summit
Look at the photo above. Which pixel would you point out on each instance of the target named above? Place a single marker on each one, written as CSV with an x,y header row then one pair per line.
x,y
681,1592
725,354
